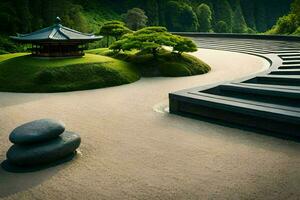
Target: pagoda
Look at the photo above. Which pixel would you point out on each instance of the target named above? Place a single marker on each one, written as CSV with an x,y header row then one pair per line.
x,y
57,41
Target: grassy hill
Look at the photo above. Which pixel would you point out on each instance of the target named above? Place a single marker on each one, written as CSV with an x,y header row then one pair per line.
x,y
165,64
22,73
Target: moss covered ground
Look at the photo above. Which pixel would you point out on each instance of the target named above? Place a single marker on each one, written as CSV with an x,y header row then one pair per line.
x,y
23,73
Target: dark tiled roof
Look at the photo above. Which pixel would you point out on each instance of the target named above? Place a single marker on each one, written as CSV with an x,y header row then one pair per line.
x,y
56,32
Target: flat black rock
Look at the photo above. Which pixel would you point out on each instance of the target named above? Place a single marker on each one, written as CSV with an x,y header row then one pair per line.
x,y
37,131
44,153
9,167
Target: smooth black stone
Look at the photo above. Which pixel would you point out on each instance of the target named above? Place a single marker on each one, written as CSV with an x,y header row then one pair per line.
x,y
37,131
43,153
10,167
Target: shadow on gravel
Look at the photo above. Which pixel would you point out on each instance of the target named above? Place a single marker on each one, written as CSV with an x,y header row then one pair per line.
x,y
16,179
240,127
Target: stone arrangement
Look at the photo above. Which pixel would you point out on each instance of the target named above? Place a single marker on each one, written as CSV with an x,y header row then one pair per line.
x,y
41,142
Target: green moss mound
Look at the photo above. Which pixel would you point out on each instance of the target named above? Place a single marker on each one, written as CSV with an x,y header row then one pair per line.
x,y
164,64
23,73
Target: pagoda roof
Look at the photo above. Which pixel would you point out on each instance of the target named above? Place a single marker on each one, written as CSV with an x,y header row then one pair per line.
x,y
58,33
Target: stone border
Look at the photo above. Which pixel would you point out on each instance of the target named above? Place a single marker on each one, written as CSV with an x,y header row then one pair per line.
x,y
231,102
243,36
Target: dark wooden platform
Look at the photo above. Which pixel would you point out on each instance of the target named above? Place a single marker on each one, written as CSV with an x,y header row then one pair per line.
x,y
269,101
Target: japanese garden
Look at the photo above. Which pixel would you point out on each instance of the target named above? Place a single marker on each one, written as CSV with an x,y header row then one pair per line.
x,y
149,99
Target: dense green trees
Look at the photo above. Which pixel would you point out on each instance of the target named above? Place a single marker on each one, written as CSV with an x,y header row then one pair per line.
x,y
223,12
135,18
180,17
248,8
285,25
296,9
28,15
238,22
7,19
152,12
204,15
177,15
221,27
261,17
288,24
21,16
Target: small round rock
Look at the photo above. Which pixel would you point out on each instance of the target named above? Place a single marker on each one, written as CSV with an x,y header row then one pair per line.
x,y
37,131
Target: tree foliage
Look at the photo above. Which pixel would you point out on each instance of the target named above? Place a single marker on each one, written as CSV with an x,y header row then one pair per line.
x,y
288,24
296,9
22,16
181,17
177,15
261,15
204,15
184,45
114,29
221,27
223,12
152,12
151,40
248,8
135,18
238,23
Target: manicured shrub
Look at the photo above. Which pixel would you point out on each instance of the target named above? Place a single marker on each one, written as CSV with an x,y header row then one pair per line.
x,y
151,40
114,29
184,45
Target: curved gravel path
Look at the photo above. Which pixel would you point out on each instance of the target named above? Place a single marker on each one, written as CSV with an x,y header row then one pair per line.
x,y
129,151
